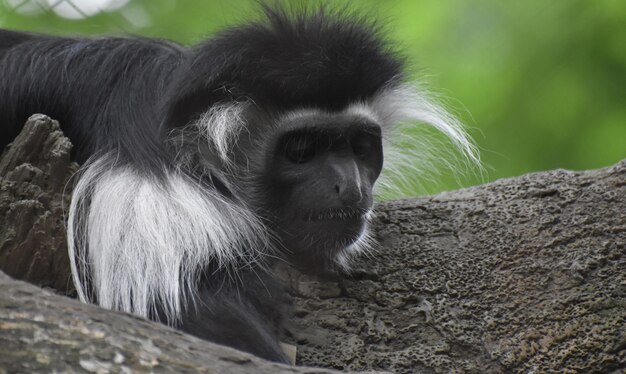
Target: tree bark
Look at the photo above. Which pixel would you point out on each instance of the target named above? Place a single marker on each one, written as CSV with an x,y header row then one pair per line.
x,y
521,275
34,172
41,332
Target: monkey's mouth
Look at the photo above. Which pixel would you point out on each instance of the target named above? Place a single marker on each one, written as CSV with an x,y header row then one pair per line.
x,y
337,214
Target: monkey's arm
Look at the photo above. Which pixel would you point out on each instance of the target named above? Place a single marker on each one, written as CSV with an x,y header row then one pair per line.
x,y
245,315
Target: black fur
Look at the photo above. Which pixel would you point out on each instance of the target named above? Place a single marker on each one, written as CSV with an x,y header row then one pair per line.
x,y
125,95
338,60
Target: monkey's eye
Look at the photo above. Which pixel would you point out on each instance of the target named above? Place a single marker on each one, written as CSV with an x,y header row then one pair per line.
x,y
299,150
362,145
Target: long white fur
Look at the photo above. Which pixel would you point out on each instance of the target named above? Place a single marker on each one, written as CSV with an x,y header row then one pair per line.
x,y
362,246
221,126
413,153
399,110
144,241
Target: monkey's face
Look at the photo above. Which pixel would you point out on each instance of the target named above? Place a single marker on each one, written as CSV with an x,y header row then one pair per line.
x,y
320,177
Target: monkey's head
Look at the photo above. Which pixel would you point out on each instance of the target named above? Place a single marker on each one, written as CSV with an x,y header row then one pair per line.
x,y
317,183
293,115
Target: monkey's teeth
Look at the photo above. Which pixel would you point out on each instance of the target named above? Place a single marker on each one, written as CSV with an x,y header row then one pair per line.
x,y
335,214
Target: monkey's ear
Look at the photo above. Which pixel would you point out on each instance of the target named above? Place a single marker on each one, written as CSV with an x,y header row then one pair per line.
x,y
186,106
206,77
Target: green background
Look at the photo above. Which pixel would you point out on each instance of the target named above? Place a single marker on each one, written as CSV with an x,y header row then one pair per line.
x,y
540,84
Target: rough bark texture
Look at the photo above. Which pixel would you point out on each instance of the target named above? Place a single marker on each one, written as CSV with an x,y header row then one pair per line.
x,y
43,333
34,171
521,275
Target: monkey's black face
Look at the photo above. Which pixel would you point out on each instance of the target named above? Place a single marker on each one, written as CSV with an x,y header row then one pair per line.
x,y
321,175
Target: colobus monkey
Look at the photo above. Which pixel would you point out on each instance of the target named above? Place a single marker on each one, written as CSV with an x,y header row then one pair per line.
x,y
202,166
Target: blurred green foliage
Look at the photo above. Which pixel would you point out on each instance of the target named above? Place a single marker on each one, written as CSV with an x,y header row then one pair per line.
x,y
541,84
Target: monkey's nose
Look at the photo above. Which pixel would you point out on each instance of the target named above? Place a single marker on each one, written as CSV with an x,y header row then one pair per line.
x,y
349,193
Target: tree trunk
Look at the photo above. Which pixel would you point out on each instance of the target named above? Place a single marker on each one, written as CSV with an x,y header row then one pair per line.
x,y
521,275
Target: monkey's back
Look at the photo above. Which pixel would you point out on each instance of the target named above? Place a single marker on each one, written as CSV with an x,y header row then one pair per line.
x,y
102,91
